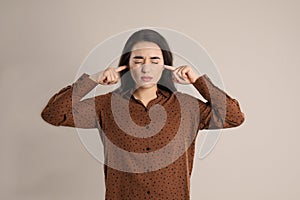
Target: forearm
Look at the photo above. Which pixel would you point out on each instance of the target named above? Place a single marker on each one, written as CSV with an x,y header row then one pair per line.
x,y
59,109
225,107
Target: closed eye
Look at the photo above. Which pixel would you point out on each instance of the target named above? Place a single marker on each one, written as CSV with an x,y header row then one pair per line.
x,y
141,62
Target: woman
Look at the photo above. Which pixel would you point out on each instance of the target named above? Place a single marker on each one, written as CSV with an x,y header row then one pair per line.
x,y
143,116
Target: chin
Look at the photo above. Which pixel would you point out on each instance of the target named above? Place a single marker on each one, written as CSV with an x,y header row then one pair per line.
x,y
147,85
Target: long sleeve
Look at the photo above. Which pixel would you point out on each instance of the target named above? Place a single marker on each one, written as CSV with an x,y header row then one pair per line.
x,y
65,108
220,110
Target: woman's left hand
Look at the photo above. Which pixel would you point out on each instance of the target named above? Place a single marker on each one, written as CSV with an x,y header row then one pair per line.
x,y
183,74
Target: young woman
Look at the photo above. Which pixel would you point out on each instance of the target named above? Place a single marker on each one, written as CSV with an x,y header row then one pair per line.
x,y
147,127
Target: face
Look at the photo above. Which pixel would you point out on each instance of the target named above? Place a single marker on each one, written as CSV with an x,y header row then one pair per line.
x,y
146,64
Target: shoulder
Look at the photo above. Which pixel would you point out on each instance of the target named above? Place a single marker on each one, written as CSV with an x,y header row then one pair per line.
x,y
103,97
183,95
187,100
102,100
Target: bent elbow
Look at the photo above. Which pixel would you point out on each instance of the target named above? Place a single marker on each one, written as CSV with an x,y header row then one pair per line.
x,y
47,117
239,120
242,117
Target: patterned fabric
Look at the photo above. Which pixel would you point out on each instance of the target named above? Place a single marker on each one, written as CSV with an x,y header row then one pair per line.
x,y
149,149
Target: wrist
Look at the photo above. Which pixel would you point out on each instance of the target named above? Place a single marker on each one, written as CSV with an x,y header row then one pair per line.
x,y
195,79
94,77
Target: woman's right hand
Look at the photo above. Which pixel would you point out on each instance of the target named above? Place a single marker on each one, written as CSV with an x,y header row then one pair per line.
x,y
109,76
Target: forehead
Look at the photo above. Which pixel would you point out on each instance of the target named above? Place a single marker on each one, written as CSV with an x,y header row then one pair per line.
x,y
146,48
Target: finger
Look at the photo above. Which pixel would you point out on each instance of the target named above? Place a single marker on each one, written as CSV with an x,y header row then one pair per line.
x,y
111,78
103,78
184,72
116,77
169,67
178,73
121,68
176,77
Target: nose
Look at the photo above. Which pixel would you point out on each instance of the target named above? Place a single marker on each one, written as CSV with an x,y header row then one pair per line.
x,y
145,68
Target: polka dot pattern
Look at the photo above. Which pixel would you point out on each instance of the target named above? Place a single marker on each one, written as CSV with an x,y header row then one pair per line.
x,y
169,182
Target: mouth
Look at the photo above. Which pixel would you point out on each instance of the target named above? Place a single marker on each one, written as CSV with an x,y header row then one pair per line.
x,y
146,78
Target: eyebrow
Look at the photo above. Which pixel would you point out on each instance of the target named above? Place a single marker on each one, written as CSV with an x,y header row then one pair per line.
x,y
141,57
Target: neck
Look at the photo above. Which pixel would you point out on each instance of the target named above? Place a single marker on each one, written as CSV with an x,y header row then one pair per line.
x,y
145,93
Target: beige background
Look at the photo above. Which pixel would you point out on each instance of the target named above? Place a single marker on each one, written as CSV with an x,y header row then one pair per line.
x,y
255,45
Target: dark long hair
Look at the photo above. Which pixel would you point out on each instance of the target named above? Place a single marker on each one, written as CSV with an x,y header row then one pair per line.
x,y
127,82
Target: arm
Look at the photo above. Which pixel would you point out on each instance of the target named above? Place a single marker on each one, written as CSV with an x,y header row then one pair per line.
x,y
65,108
220,110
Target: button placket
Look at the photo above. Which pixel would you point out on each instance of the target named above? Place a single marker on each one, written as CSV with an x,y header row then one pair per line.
x,y
150,103
147,147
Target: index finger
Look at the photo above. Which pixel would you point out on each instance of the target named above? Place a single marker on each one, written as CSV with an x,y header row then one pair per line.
x,y
121,68
169,67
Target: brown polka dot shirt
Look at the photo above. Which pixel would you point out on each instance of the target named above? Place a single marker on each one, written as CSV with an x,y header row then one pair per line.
x,y
149,149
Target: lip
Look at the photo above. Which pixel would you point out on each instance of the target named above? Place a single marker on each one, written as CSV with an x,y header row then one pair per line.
x,y
146,78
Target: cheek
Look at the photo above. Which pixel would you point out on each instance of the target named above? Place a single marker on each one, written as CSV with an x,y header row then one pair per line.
x,y
158,74
134,74
159,71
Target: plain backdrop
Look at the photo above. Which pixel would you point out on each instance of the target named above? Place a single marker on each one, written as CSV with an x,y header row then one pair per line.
x,y
255,45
